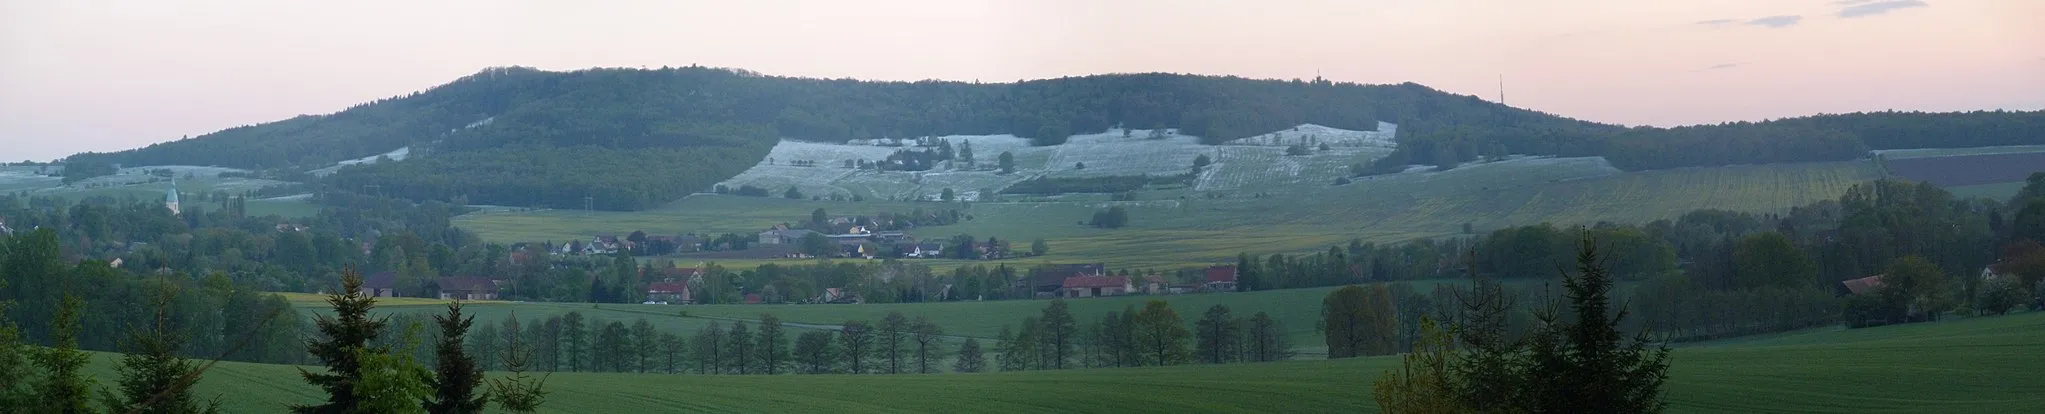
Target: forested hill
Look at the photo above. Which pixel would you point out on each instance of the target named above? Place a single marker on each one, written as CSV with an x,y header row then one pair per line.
x,y
633,139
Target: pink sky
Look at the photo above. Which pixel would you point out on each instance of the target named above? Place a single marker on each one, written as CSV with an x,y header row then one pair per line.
x,y
100,76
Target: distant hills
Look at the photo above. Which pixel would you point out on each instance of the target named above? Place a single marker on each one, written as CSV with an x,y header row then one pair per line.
x,y
634,139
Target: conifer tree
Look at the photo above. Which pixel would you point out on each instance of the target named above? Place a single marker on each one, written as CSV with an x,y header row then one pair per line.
x,y
154,379
517,392
14,360
348,331
64,388
456,376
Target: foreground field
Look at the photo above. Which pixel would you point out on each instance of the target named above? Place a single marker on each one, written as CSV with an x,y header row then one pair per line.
x,y
1970,365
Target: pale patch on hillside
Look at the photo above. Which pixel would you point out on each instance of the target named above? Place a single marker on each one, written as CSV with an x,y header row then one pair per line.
x,y
1314,135
395,155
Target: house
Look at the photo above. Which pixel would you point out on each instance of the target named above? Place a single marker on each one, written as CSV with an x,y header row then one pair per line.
x,y
1093,286
857,250
1154,285
754,299
468,288
288,227
890,236
1049,280
678,273
837,296
1220,279
688,243
928,250
380,284
676,293
603,244
1859,286
784,236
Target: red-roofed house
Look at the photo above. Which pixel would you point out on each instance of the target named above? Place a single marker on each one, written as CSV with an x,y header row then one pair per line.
x,y
468,288
674,293
1220,279
1859,286
1091,286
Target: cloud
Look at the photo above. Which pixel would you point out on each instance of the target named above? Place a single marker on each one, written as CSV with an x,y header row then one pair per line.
x,y
1717,22
1725,66
1850,2
1865,9
1776,22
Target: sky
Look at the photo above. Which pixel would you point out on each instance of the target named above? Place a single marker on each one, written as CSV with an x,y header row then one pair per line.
x,y
91,75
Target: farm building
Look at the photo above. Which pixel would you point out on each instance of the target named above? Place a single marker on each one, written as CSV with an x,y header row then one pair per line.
x,y
783,236
380,284
1859,286
1094,286
468,288
1048,281
669,293
837,296
1220,279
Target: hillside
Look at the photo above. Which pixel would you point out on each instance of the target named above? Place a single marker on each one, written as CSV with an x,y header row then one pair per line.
x,y
1908,368
632,139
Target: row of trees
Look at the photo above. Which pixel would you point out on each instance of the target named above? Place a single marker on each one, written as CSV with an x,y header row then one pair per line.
x,y
1153,336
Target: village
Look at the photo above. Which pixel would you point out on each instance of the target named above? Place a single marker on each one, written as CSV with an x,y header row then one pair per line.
x,y
675,269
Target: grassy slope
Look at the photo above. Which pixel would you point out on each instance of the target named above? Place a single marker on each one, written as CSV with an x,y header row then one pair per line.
x,y
1174,228
1971,365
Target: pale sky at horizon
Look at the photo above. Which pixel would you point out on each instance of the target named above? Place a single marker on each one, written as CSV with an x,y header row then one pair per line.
x,y
110,75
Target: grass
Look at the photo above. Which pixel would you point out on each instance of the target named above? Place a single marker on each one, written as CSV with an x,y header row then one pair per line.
x,y
1969,365
1997,191
1184,228
1948,152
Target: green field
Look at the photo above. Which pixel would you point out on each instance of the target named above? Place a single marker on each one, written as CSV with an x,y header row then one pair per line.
x,y
1179,228
1997,191
1987,365
1948,152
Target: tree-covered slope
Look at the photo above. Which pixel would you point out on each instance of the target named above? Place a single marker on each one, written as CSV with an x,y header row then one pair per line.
x,y
632,138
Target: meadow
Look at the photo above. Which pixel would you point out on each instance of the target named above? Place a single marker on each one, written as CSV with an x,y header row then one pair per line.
x,y
1190,227
1962,365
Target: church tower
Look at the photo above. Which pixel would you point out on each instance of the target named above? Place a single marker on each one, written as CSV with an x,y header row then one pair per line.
x,y
170,200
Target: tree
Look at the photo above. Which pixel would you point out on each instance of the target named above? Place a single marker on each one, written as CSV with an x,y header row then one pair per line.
x,y
813,353
819,217
154,379
1007,162
1423,383
709,349
14,356
947,195
574,340
966,151
1265,340
792,193
1914,283
818,245
1058,332
517,392
645,344
855,339
1200,163
1011,358
926,336
894,331
343,341
970,359
1111,218
1769,259
1215,340
456,376
1039,247
2029,221
64,388
1593,368
739,345
394,381
672,346
773,343
1161,334
1359,321
1079,165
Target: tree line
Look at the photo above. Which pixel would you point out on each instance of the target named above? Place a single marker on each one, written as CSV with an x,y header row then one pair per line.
x,y
1153,336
